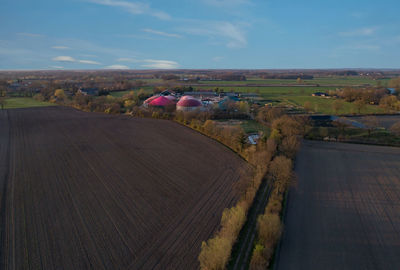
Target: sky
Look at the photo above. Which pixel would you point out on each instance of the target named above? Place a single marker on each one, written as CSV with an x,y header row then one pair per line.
x,y
199,34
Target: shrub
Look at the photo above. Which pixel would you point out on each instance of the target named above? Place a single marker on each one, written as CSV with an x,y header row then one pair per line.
x,y
258,261
269,229
215,253
395,128
289,146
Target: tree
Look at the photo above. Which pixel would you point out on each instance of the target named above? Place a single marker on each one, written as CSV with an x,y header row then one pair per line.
x,y
289,146
269,229
389,103
258,262
59,94
268,115
323,132
371,122
395,83
359,104
395,128
281,171
337,105
2,102
308,106
287,126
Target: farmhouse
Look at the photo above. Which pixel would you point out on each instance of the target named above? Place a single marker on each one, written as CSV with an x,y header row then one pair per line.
x,y
320,94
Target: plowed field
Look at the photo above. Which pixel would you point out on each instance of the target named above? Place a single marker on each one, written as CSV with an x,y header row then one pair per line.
x,y
345,211
93,191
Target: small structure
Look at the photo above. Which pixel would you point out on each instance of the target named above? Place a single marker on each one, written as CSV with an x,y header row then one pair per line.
x,y
89,91
167,93
320,94
201,94
253,138
391,91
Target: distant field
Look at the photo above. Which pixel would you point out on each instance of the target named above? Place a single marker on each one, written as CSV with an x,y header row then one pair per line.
x,y
337,81
24,102
344,212
273,91
290,95
297,96
324,105
93,191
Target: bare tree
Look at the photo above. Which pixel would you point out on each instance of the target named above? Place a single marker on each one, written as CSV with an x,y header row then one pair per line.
x,y
337,105
371,122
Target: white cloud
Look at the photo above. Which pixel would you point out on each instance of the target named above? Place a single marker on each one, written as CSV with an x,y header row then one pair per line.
x,y
367,31
369,47
217,58
56,67
160,33
30,35
90,62
60,47
89,55
226,3
135,8
127,59
232,35
358,14
63,59
73,60
116,67
160,64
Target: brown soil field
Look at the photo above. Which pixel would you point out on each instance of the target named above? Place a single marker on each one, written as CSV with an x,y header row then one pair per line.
x,y
344,212
385,121
94,191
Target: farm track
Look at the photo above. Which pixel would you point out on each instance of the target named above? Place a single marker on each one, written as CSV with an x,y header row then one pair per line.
x,y
246,243
345,211
93,191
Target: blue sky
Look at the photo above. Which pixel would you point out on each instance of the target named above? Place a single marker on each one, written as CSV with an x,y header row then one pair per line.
x,y
251,34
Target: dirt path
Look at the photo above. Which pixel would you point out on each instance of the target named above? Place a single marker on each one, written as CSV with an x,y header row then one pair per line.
x,y
244,246
345,211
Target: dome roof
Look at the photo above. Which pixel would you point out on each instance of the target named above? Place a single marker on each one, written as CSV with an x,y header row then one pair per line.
x,y
150,99
172,98
186,97
189,102
161,101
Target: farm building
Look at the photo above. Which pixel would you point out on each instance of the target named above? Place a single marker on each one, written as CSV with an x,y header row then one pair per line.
x,y
89,91
320,94
188,103
201,94
161,101
147,101
391,91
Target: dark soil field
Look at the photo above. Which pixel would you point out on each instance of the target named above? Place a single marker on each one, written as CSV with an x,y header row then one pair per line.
x,y
93,191
344,212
